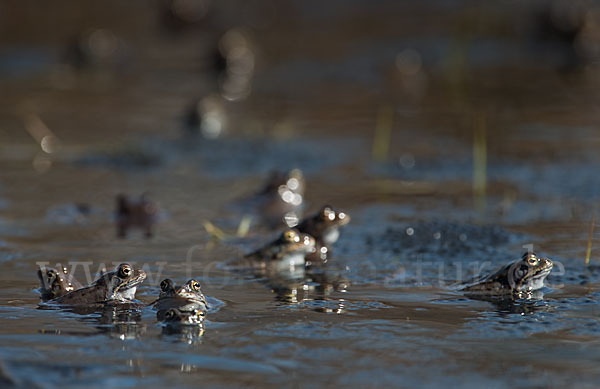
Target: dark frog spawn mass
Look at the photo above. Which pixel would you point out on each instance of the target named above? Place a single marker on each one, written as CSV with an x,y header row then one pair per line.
x,y
117,286
184,300
55,283
518,278
325,228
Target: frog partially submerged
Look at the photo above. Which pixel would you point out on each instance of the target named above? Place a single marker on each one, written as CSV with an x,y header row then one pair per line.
x,y
325,228
117,286
280,201
55,283
185,298
519,277
285,252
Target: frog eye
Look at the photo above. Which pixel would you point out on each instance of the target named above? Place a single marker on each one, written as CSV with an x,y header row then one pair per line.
x,y
195,285
327,214
291,236
125,270
170,315
532,260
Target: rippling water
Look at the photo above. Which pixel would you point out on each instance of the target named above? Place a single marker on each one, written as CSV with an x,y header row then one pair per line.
x,y
384,310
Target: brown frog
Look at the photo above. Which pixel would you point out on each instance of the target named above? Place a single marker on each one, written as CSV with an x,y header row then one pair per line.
x,y
185,298
117,286
284,253
55,283
324,226
521,276
131,214
280,201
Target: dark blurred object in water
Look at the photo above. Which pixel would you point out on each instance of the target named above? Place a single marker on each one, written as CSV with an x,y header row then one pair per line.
x,y
94,49
559,26
128,157
130,214
179,15
70,213
7,381
324,227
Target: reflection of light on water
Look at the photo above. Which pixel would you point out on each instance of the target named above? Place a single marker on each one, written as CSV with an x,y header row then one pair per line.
x,y
291,219
49,144
293,183
212,116
240,59
41,133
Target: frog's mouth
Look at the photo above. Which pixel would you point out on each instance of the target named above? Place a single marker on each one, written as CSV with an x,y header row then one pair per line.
x,y
536,281
126,291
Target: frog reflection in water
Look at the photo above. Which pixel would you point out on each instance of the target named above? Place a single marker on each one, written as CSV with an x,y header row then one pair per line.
x,y
517,278
55,283
284,253
316,288
186,325
117,286
185,300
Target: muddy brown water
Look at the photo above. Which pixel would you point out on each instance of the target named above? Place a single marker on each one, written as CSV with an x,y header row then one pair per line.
x,y
330,82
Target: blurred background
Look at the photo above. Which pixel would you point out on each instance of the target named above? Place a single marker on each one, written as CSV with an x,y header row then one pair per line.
x,y
450,130
457,92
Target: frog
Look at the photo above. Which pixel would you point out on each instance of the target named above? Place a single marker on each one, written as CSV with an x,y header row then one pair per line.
x,y
324,226
55,283
185,298
131,214
113,287
279,203
518,278
286,252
